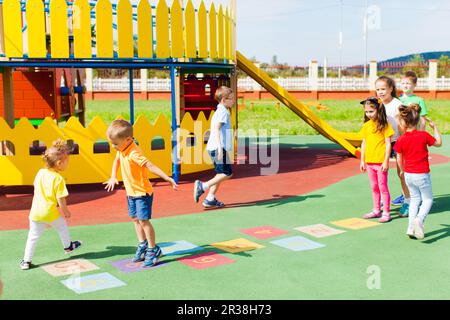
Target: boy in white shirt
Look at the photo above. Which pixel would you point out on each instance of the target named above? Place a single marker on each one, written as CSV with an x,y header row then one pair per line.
x,y
219,146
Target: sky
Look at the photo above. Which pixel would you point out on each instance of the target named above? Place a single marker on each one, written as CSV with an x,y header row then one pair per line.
x,y
297,31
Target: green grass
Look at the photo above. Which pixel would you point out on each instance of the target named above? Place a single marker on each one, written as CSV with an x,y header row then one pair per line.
x,y
344,115
108,110
409,269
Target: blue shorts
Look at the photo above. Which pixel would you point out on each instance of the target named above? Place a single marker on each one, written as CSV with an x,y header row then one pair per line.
x,y
393,153
140,207
221,166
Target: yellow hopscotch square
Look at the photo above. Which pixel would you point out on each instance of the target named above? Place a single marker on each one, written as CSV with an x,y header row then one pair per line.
x,y
237,245
355,223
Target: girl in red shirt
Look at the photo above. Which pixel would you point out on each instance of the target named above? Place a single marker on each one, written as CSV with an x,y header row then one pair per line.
x,y
412,159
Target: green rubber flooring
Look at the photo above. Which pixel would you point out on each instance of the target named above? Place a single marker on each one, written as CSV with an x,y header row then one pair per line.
x,y
379,262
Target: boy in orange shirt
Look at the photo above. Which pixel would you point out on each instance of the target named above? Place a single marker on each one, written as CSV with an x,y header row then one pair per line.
x,y
134,166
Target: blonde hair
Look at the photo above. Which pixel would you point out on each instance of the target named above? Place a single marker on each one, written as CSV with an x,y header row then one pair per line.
x,y
120,129
223,92
57,152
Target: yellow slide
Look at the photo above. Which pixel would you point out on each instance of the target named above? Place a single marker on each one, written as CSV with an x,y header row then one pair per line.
x,y
349,141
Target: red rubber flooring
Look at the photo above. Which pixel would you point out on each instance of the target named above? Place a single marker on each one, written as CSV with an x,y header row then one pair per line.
x,y
300,171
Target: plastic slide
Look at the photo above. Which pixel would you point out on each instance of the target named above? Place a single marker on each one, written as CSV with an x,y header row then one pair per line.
x,y
349,141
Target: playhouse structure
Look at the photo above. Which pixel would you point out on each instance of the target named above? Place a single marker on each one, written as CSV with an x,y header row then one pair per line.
x,y
38,93
44,47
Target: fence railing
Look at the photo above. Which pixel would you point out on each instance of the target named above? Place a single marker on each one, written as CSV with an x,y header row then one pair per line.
x,y
248,84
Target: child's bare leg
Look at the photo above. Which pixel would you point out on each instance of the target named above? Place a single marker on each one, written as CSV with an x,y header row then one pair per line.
x,y
213,190
217,180
149,232
139,231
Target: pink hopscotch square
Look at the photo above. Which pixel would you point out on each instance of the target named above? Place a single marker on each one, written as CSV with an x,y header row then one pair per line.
x,y
264,232
205,260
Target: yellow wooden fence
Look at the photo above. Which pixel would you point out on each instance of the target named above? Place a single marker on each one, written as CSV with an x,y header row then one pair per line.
x,y
176,30
93,161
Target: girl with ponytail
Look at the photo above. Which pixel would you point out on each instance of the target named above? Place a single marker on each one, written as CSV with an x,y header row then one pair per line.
x,y
412,159
50,192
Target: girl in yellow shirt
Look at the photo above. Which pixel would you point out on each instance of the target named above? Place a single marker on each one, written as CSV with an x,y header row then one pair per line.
x,y
375,152
49,192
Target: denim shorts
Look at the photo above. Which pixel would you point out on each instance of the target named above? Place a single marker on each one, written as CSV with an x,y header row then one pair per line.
x,y
221,166
140,207
393,153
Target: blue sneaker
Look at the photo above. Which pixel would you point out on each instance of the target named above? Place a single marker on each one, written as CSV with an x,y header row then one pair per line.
x,y
73,246
404,210
214,203
140,252
152,256
198,190
398,201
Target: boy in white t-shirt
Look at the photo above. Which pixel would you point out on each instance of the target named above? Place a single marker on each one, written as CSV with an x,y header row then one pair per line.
x,y
219,146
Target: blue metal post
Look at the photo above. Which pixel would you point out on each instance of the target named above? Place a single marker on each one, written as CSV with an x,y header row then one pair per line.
x,y
131,96
175,166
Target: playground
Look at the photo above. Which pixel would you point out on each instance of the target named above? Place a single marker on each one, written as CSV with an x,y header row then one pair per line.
x,y
300,264
296,233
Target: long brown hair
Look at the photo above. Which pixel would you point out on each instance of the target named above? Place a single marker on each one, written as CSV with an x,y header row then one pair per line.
x,y
381,119
391,84
409,115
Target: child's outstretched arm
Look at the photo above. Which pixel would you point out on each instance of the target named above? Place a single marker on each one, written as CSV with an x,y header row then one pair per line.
x,y
112,182
63,205
154,169
436,133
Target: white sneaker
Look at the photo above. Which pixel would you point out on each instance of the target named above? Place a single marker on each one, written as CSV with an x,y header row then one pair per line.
x,y
25,265
410,233
418,229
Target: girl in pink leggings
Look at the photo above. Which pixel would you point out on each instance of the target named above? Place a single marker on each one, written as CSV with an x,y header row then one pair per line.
x,y
375,152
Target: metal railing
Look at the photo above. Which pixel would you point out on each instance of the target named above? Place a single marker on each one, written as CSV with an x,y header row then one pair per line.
x,y
248,84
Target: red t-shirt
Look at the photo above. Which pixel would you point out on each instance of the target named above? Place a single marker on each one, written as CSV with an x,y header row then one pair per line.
x,y
414,148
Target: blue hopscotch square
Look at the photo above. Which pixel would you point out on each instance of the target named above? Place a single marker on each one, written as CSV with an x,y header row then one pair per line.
x,y
178,247
91,283
297,243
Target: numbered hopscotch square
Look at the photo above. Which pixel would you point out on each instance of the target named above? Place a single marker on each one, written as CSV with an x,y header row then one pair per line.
x,y
298,244
128,266
237,245
264,232
178,247
65,268
91,283
355,223
319,230
205,260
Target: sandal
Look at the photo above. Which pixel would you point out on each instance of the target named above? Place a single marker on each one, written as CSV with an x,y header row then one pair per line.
x,y
372,215
385,218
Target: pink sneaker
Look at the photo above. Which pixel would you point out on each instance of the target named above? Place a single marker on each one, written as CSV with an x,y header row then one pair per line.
x,y
372,215
385,218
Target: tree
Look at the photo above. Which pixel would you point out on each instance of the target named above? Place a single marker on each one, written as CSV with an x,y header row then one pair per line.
x,y
416,64
444,66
